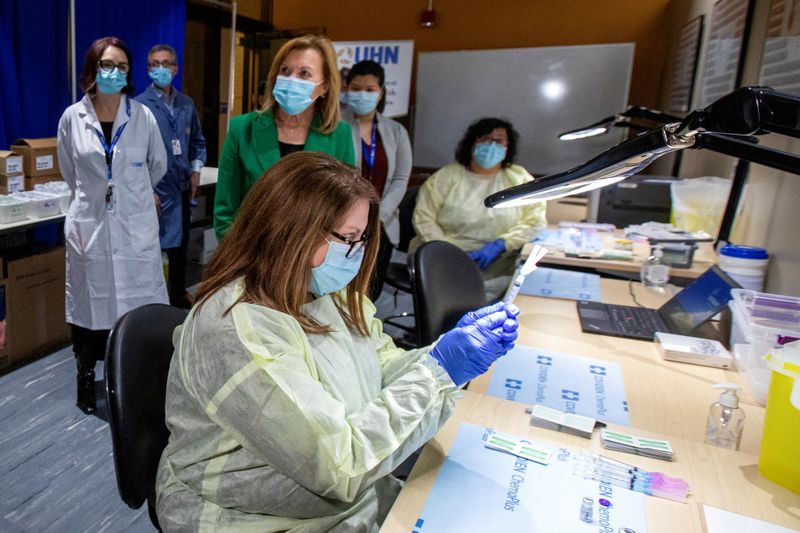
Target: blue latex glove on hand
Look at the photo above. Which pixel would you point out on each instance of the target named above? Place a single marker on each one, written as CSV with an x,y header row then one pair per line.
x,y
472,316
488,253
468,351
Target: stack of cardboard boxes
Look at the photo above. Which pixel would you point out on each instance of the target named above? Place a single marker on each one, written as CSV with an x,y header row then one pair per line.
x,y
34,279
39,160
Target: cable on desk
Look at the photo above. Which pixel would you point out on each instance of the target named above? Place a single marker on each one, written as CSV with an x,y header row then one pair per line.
x,y
630,291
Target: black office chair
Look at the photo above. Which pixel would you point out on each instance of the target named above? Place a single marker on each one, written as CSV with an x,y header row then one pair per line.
x,y
398,275
138,355
447,284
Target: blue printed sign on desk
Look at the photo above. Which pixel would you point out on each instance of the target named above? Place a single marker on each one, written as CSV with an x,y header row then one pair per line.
x,y
566,284
483,490
569,383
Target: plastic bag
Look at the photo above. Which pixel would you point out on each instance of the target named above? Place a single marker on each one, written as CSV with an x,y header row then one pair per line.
x,y
698,203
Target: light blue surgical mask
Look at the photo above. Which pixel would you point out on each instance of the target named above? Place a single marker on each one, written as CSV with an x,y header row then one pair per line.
x,y
293,94
161,76
110,82
343,97
489,154
336,270
362,102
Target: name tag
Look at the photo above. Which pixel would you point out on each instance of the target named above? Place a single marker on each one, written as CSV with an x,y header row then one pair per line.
x,y
176,147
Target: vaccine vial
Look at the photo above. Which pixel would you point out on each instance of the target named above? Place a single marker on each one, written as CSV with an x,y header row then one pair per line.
x,y
586,510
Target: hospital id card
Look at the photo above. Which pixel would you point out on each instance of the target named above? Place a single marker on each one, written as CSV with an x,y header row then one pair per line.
x,y
176,147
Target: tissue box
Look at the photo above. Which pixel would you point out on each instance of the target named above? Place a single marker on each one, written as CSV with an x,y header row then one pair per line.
x,y
694,350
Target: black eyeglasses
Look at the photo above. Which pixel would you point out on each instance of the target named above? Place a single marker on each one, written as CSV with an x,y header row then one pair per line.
x,y
167,63
107,66
355,246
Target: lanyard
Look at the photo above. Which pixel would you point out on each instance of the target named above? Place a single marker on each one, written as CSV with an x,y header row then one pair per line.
x,y
369,154
109,150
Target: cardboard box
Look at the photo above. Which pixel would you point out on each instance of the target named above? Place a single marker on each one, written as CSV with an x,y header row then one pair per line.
x,y
30,183
10,163
9,184
35,319
39,157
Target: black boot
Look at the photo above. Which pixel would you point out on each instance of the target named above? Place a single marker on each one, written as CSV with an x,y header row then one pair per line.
x,y
86,396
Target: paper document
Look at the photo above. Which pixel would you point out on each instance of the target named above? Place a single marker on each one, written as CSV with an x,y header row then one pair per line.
x,y
483,490
566,284
569,383
721,521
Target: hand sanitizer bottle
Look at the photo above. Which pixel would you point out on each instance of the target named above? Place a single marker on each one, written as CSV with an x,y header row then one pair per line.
x,y
725,418
655,273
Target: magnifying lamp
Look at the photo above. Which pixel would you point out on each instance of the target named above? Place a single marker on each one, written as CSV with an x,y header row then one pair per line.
x,y
621,119
746,111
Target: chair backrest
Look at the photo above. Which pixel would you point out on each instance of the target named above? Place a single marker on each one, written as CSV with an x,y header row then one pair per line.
x,y
447,284
405,216
138,355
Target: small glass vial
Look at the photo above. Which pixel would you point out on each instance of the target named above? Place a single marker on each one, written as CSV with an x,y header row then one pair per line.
x,y
655,273
586,510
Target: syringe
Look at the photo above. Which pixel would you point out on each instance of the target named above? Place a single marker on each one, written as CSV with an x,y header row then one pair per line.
x,y
529,266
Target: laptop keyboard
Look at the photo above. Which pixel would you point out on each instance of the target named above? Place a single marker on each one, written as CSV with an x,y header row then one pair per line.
x,y
633,321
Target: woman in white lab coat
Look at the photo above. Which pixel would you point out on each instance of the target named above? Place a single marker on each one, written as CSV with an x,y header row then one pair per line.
x,y
111,154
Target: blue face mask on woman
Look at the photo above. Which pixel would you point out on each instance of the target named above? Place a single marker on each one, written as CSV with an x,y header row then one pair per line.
x,y
489,154
161,76
110,82
293,94
336,271
362,102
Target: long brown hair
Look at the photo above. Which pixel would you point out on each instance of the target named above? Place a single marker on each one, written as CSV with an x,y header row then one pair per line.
x,y
284,219
327,107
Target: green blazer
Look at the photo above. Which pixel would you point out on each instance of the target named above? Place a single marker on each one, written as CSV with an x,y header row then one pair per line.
x,y
251,147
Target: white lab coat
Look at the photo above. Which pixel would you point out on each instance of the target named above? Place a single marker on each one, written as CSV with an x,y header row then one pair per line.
x,y
113,256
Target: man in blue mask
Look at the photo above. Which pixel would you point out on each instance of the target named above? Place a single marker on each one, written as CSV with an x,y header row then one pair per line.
x,y
186,152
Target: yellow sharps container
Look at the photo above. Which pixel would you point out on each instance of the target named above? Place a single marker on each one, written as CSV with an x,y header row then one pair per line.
x,y
780,460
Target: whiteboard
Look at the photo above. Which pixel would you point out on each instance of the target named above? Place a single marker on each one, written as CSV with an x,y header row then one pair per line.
x,y
541,91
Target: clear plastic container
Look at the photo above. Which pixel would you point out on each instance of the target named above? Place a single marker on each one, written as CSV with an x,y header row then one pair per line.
x,y
12,209
40,204
759,323
59,189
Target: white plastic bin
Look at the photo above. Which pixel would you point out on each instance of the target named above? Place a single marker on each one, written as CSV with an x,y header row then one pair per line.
x,y
59,189
12,209
759,323
40,204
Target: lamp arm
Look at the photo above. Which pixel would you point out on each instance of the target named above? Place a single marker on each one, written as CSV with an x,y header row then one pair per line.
x,y
650,114
763,155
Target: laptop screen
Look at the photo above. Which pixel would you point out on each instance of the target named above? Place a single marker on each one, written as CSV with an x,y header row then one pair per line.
x,y
703,298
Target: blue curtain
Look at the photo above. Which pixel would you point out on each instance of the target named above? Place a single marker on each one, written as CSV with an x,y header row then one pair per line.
x,y
34,50
34,78
139,23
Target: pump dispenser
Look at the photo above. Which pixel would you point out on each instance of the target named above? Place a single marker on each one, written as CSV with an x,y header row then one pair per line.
x,y
725,418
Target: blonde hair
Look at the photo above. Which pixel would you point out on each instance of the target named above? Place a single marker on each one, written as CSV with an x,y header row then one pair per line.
x,y
284,219
326,107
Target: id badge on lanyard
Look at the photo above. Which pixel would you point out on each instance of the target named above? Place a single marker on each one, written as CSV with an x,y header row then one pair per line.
x,y
109,151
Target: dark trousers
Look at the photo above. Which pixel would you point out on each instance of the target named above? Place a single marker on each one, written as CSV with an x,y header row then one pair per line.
x,y
381,266
176,284
89,345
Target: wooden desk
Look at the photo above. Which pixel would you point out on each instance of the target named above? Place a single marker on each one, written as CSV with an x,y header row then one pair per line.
x,y
704,257
721,478
665,397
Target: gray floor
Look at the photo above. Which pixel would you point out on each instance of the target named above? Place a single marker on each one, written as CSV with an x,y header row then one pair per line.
x,y
57,469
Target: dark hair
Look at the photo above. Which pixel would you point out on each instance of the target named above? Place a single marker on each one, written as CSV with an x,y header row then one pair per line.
x,y
283,220
93,55
368,67
482,127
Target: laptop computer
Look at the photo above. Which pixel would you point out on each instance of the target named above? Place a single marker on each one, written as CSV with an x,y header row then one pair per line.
x,y
683,314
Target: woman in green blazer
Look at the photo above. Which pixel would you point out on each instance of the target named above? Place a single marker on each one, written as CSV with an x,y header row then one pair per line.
x,y
301,113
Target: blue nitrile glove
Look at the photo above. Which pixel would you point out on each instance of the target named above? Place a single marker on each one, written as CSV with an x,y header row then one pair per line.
x,y
472,316
469,351
488,253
